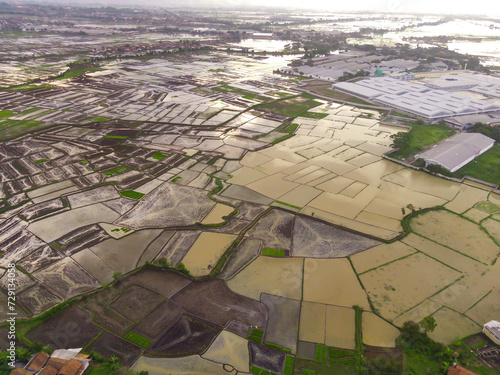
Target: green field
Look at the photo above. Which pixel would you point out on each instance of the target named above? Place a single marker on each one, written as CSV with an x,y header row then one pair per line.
x,y
136,339
99,119
6,113
159,155
78,72
290,107
336,95
14,128
485,167
273,252
115,171
289,362
321,351
131,194
256,335
423,136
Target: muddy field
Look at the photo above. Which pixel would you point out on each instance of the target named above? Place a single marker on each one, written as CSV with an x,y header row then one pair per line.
x,y
169,205
214,302
314,239
135,295
187,336
109,345
155,323
70,329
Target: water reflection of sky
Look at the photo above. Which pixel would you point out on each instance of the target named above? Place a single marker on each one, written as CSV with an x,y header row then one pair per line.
x,y
490,49
263,44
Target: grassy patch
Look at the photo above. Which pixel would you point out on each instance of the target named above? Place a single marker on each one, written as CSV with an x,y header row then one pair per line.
x,y
480,345
487,207
292,107
289,205
423,136
159,155
315,115
14,128
39,161
99,119
273,252
137,339
131,194
485,167
6,113
78,72
34,109
115,171
399,114
336,95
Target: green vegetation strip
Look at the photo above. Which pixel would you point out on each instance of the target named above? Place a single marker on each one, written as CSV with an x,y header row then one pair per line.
x,y
315,115
289,363
289,205
137,339
131,194
113,136
276,346
78,72
273,252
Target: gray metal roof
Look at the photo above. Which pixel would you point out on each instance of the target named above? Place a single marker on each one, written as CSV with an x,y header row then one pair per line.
x,y
457,149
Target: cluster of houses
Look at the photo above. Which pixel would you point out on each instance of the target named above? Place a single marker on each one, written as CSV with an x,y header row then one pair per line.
x,y
61,362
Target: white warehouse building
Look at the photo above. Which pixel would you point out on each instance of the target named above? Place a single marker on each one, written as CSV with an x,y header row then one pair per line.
x,y
458,150
415,99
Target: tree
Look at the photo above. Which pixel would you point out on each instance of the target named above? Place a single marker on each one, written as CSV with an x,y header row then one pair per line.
x,y
428,324
116,275
401,140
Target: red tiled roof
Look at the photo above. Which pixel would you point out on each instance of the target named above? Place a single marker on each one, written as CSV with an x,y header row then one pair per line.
x,y
48,370
21,371
38,361
72,367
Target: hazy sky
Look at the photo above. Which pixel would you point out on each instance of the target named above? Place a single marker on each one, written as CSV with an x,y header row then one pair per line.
x,y
489,8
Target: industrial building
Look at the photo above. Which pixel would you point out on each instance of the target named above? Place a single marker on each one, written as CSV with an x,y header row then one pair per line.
x,y
492,330
458,150
416,99
478,83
